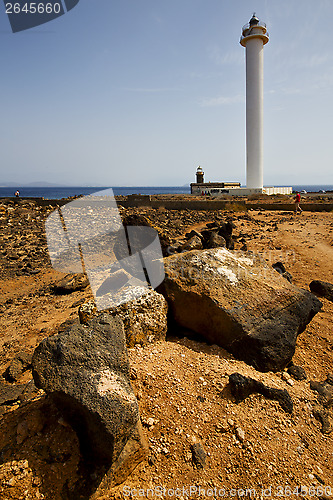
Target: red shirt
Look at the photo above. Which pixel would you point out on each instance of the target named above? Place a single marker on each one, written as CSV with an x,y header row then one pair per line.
x,y
298,198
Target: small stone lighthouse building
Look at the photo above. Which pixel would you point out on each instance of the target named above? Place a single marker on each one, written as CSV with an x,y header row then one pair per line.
x,y
212,188
200,175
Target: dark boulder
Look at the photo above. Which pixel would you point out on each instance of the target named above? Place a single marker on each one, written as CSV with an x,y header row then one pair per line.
x,y
194,243
85,371
238,302
241,387
297,372
323,417
216,241
19,365
279,267
199,455
9,393
322,288
325,391
215,235
192,233
225,230
71,283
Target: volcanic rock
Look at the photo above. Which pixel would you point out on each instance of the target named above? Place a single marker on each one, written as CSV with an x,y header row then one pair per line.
x,y
279,267
325,391
10,393
297,372
192,233
225,230
238,302
145,318
85,371
87,311
198,455
241,387
215,241
322,288
71,283
193,243
19,364
322,416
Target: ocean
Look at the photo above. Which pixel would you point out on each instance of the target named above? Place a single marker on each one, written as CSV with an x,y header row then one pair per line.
x,y
56,193
64,192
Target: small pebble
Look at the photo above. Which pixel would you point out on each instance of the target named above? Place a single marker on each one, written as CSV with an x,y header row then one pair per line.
x,y
240,434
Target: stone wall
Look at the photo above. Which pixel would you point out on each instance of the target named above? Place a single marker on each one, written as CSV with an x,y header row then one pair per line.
x,y
195,204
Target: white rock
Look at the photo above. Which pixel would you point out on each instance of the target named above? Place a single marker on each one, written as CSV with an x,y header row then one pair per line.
x,y
240,434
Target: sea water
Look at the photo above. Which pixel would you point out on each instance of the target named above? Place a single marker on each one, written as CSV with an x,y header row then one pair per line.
x,y
65,192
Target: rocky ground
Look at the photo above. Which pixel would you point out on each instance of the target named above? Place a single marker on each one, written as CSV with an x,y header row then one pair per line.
x,y
199,436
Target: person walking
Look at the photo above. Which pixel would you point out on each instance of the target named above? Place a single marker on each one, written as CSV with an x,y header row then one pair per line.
x,y
297,202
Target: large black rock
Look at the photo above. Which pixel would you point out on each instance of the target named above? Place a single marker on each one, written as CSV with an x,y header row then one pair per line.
x,y
85,370
241,387
71,283
235,300
322,288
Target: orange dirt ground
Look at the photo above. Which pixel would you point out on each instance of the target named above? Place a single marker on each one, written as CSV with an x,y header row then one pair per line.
x,y
182,387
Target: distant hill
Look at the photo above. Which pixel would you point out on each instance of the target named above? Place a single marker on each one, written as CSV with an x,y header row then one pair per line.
x,y
43,184
32,184
8,184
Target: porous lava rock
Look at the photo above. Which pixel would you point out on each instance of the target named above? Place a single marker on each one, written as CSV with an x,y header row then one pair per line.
x,y
145,318
20,363
199,455
10,393
235,300
241,387
85,371
297,372
322,288
71,283
215,241
194,243
280,268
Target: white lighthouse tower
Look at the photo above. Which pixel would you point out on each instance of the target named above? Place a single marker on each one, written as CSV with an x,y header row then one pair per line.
x,y
254,37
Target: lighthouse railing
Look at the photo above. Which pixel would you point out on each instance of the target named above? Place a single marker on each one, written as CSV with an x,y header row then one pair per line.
x,y
259,25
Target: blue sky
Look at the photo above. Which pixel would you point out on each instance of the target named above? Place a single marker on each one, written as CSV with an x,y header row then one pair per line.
x,y
141,92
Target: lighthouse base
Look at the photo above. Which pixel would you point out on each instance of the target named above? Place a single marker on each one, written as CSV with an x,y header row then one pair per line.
x,y
220,189
265,190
